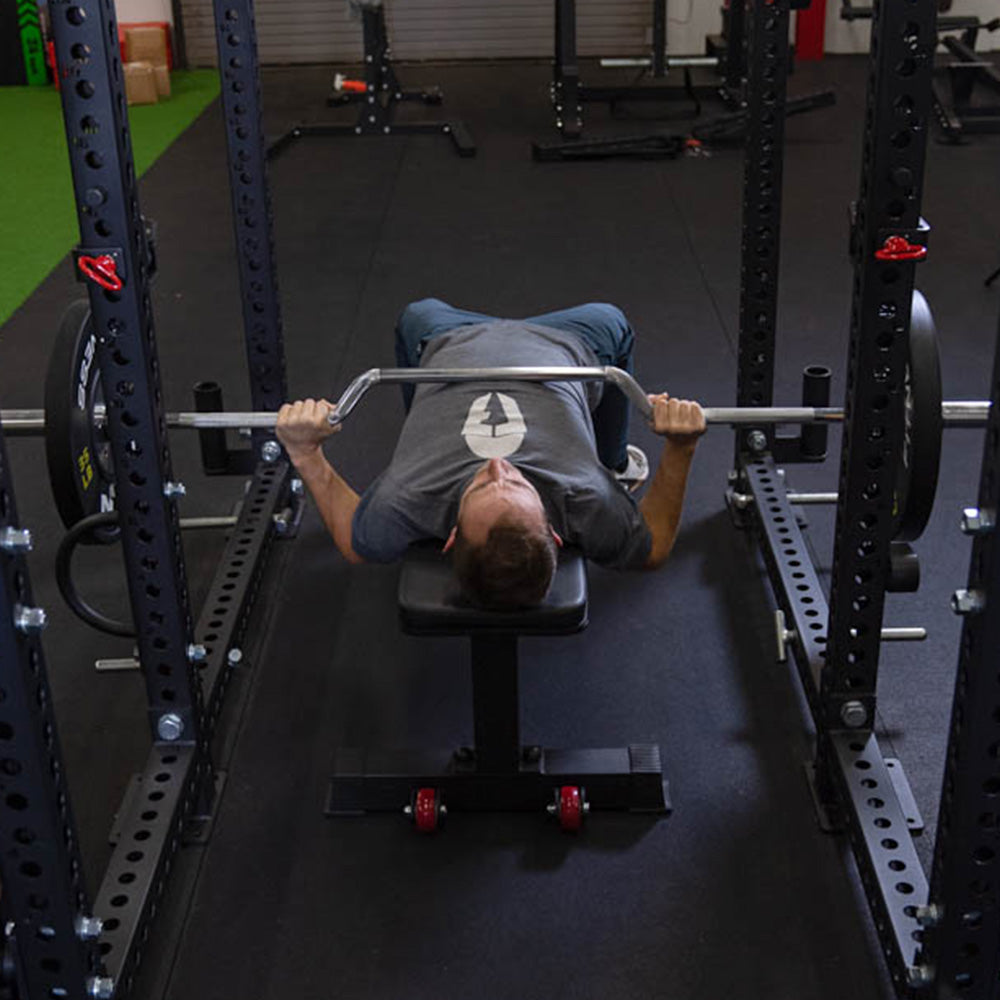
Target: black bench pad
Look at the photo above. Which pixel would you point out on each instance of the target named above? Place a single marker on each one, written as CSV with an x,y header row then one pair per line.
x,y
430,603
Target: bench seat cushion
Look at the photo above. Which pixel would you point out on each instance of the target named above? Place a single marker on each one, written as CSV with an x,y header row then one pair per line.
x,y
430,602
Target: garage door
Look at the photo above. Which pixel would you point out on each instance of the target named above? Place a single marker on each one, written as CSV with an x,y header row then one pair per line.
x,y
322,31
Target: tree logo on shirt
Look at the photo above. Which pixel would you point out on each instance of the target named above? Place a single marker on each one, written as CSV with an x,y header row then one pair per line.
x,y
494,427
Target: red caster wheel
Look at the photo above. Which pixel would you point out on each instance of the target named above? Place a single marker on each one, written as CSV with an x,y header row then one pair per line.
x,y
426,810
570,807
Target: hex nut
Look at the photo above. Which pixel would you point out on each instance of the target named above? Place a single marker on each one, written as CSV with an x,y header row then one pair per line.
x,y
853,714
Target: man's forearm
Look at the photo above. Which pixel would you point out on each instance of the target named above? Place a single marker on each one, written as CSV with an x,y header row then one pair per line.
x,y
335,500
661,506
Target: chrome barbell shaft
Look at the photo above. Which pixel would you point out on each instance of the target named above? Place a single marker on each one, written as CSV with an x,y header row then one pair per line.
x,y
954,412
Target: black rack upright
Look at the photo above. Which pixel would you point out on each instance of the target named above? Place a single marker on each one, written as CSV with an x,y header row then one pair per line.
x,y
941,940
53,945
51,942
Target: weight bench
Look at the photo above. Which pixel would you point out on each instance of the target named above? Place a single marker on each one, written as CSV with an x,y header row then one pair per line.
x,y
497,773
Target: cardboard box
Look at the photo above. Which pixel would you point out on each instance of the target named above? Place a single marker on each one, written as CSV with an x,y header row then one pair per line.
x,y
163,26
162,81
140,83
146,44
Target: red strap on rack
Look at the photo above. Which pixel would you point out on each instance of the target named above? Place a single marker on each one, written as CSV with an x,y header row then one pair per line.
x,y
900,248
102,270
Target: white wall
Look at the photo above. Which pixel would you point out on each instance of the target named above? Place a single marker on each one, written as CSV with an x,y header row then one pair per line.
x,y
689,21
129,11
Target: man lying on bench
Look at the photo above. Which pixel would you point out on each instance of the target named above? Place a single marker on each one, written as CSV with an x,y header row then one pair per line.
x,y
503,476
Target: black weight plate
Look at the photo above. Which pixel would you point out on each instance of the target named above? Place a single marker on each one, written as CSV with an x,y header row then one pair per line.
x,y
917,475
77,450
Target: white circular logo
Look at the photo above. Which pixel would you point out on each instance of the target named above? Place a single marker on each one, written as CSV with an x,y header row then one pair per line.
x,y
494,427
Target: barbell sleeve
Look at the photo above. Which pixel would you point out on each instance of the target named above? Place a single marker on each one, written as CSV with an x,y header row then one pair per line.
x,y
904,634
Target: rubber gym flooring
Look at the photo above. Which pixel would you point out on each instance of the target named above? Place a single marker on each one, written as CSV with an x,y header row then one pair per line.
x,y
737,893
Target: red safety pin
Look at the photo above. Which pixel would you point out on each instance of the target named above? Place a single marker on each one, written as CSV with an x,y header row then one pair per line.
x,y
900,248
103,270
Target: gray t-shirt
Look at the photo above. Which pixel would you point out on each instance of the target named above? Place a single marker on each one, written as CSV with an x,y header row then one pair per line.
x,y
545,429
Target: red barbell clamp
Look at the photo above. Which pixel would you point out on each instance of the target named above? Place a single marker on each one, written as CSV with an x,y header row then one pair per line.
x,y
103,270
900,248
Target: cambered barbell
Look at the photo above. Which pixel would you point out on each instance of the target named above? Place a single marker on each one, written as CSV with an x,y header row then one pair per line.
x,y
82,475
954,413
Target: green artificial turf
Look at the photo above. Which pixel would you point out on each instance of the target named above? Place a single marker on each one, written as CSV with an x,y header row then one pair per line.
x,y
36,191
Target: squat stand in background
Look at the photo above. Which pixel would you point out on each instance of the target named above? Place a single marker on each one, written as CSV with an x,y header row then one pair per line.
x,y
953,104
378,94
727,53
569,94
953,99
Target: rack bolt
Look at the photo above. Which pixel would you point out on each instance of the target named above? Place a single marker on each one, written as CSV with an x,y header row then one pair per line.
x,y
757,441
853,714
30,621
88,928
297,487
95,196
741,501
976,521
902,177
196,652
968,602
171,490
234,656
929,916
270,451
170,727
100,987
15,540
918,976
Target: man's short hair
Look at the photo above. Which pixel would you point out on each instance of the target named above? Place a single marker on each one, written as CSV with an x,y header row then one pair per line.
x,y
512,569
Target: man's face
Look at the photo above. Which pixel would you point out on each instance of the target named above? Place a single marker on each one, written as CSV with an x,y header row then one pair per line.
x,y
497,489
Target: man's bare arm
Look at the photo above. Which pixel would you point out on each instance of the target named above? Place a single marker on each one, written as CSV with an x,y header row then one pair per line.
x,y
681,422
301,428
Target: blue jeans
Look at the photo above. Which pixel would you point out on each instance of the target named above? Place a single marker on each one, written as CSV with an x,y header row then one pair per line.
x,y
602,327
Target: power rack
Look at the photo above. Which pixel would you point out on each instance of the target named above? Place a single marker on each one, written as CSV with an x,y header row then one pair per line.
x,y
55,944
940,940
